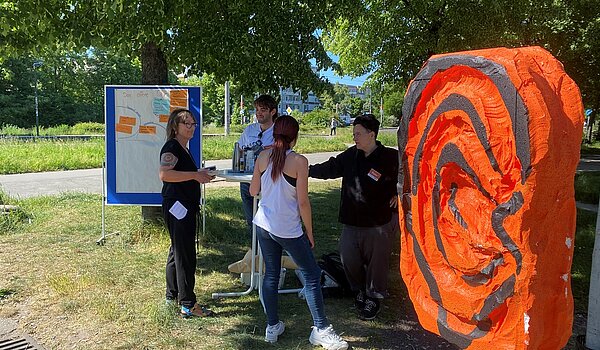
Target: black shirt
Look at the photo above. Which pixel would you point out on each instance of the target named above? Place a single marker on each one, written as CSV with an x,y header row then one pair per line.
x,y
368,184
187,191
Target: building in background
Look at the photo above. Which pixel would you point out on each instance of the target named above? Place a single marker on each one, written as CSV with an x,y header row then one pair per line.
x,y
293,100
357,91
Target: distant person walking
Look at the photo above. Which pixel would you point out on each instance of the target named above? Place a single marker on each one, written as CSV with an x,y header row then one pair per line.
x,y
181,196
333,127
281,176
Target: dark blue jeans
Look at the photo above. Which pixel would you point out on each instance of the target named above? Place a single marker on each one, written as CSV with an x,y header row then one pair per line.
x,y
299,250
247,203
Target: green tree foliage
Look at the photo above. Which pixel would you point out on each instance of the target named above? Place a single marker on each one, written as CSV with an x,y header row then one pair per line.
x,y
261,45
393,39
356,106
70,87
341,102
392,103
318,117
213,98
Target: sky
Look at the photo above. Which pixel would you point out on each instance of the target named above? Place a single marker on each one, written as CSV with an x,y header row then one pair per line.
x,y
334,78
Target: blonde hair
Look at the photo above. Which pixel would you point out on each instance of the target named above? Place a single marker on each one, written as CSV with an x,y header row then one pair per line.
x,y
174,119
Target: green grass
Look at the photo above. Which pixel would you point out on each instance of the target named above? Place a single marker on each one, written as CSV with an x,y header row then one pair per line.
x,y
112,296
47,155
50,155
582,259
587,187
85,128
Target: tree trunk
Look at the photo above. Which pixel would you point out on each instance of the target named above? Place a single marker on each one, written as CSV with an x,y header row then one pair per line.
x,y
154,72
154,65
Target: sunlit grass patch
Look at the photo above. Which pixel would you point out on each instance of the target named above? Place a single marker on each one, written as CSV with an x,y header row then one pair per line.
x,y
45,155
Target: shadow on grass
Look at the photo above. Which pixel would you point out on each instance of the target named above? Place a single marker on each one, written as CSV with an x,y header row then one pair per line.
x,y
396,327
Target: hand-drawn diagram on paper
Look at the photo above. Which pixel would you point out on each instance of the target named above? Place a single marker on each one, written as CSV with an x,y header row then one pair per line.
x,y
140,131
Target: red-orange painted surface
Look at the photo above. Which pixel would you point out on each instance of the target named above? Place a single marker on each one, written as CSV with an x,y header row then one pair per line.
x,y
489,145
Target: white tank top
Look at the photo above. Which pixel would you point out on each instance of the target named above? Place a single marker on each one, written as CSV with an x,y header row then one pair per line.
x,y
278,210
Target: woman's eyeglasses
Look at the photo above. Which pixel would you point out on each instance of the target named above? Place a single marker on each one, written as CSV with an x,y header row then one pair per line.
x,y
189,125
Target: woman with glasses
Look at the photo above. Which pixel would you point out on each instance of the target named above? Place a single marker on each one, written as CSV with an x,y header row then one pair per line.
x,y
369,173
181,196
281,176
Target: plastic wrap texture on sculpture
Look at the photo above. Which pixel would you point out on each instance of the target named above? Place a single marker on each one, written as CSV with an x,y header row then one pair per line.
x,y
489,144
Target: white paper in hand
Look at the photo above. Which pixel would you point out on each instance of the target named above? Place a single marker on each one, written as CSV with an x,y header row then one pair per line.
x,y
178,210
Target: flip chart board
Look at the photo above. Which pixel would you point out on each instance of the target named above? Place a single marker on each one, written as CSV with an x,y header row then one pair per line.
x,y
136,120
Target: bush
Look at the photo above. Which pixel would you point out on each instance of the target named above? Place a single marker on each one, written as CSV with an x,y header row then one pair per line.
x,y
587,187
13,130
62,129
390,120
317,117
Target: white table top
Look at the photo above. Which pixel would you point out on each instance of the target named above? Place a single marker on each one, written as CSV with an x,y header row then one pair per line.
x,y
229,175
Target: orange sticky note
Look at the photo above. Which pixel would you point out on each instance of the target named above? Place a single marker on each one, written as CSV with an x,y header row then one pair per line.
x,y
127,129
127,120
179,94
163,118
147,129
179,102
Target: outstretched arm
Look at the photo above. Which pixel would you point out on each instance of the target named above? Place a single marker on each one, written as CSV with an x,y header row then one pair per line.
x,y
330,169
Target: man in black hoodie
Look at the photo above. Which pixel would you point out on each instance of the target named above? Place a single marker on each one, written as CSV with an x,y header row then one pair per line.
x,y
368,201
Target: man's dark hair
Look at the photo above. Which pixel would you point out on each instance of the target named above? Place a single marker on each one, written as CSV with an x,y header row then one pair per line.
x,y
267,101
368,121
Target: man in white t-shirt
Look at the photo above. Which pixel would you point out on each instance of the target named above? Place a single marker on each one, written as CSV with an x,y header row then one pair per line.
x,y
257,134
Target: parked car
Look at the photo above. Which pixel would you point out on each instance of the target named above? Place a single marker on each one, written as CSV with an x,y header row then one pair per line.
x,y
345,118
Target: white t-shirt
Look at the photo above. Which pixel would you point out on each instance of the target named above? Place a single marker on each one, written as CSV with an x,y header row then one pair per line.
x,y
251,135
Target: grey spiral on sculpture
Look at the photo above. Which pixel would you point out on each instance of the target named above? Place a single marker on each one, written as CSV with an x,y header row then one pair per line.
x,y
411,177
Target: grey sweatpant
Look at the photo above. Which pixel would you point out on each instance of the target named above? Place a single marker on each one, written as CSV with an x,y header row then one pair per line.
x,y
365,253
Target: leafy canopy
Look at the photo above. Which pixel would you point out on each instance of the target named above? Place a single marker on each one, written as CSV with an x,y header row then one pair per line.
x,y
392,39
259,44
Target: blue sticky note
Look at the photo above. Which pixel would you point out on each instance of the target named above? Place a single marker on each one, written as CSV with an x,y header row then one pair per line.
x,y
160,106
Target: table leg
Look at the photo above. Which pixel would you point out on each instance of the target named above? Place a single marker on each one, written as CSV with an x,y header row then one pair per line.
x,y
254,280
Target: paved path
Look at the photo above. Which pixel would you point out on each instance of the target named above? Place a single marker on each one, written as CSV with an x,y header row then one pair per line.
x,y
90,180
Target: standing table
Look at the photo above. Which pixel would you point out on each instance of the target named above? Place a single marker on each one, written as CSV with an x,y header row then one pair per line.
x,y
255,278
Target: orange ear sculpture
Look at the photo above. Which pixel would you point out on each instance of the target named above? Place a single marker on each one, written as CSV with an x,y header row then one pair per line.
x,y
489,144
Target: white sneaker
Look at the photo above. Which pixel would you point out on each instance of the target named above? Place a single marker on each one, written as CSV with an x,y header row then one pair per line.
x,y
327,338
272,332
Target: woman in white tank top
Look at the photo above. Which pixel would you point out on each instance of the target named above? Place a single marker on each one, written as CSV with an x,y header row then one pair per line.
x,y
281,176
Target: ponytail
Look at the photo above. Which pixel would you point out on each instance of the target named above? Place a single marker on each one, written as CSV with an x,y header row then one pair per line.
x,y
285,131
278,153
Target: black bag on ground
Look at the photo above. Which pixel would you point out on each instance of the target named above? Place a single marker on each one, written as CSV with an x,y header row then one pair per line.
x,y
333,278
